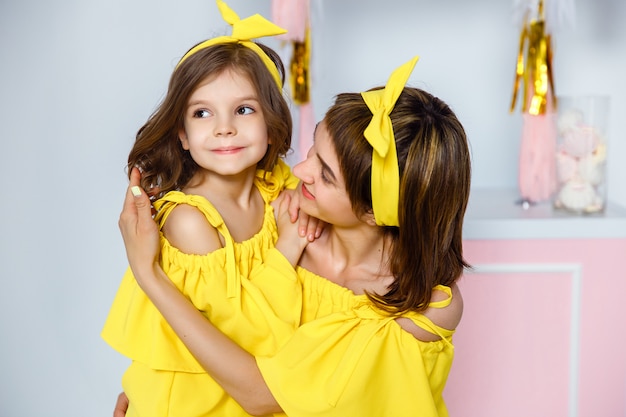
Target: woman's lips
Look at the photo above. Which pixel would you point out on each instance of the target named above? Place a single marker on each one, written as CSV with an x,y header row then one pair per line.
x,y
306,194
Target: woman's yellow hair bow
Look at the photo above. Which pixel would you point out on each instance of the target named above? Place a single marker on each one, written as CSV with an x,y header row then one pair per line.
x,y
244,30
379,133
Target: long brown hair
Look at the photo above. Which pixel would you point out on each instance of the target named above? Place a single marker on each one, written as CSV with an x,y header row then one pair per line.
x,y
157,149
435,173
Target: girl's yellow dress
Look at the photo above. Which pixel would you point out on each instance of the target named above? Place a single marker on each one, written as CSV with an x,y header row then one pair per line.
x,y
247,289
346,359
350,359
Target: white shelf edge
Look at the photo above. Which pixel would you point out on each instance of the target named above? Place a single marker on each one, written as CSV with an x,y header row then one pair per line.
x,y
495,214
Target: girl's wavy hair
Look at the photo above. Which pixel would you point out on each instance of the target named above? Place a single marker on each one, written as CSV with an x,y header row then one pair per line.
x,y
157,151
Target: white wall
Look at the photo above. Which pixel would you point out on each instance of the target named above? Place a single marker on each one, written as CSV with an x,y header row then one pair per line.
x,y
78,78
468,52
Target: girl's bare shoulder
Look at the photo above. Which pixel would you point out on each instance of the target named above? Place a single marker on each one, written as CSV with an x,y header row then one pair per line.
x,y
188,230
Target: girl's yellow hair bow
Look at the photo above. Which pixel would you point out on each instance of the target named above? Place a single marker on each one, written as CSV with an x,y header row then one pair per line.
x,y
244,30
379,133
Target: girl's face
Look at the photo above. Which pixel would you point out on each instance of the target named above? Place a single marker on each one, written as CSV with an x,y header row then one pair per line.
x,y
224,128
322,190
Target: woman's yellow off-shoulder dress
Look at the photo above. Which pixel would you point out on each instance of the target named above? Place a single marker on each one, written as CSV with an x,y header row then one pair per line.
x,y
246,289
350,359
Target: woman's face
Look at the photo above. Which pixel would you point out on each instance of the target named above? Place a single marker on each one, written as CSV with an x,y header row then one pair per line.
x,y
322,190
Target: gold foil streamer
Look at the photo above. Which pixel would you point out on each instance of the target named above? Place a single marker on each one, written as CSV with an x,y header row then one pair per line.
x,y
299,74
536,70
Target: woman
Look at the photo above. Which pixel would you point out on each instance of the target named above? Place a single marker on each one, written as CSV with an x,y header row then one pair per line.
x,y
389,173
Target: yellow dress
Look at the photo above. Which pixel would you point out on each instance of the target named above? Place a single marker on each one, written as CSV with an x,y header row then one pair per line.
x,y
246,289
349,359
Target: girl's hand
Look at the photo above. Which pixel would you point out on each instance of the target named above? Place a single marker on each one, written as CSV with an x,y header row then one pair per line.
x,y
139,230
289,243
309,227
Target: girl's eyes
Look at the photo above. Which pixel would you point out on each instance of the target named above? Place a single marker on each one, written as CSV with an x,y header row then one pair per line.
x,y
201,113
243,110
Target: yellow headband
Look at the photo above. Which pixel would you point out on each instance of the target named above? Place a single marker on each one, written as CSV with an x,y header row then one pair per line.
x,y
379,133
252,27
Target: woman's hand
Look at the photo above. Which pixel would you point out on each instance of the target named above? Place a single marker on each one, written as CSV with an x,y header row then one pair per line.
x,y
231,366
139,230
121,406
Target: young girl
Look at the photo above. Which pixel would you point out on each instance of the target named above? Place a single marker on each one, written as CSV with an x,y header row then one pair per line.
x,y
389,172
212,150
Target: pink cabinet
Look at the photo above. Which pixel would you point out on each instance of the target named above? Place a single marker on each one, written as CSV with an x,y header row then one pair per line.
x,y
544,326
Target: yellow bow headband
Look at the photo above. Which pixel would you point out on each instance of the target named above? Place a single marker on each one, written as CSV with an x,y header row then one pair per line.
x,y
252,27
379,133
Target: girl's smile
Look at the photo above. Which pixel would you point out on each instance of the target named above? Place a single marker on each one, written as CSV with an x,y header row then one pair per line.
x,y
227,150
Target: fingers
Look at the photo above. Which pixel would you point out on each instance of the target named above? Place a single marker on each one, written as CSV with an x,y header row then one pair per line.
x,y
129,201
141,200
320,228
303,221
294,207
282,214
311,227
137,209
121,406
285,203
142,204
135,177
315,228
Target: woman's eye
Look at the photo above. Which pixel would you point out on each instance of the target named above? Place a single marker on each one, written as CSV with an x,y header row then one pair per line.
x,y
325,178
245,110
201,113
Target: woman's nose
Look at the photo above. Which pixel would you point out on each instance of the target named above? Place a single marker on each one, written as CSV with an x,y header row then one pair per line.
x,y
302,171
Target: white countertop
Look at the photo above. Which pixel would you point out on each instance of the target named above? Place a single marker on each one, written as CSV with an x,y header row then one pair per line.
x,y
496,214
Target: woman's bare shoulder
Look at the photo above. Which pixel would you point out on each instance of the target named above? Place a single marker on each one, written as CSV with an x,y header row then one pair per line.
x,y
447,317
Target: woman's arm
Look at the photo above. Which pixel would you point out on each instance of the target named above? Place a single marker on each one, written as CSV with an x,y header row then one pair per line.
x,y
231,366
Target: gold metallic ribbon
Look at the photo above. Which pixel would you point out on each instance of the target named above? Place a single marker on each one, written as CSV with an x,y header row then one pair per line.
x,y
379,133
536,71
244,30
300,65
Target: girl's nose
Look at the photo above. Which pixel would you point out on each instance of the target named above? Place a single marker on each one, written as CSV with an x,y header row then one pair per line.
x,y
224,127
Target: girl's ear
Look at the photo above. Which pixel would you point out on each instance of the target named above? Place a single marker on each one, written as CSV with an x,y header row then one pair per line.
x,y
183,139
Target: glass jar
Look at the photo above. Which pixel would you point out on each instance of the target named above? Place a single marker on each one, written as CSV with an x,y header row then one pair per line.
x,y
581,153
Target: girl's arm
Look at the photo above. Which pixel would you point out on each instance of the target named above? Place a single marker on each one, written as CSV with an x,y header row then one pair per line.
x,y
293,237
231,366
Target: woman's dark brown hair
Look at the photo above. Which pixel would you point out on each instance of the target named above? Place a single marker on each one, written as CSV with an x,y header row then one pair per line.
x,y
157,149
435,173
